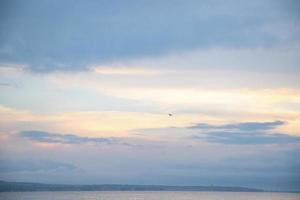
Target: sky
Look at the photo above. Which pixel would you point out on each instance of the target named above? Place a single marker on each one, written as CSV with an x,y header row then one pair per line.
x,y
87,88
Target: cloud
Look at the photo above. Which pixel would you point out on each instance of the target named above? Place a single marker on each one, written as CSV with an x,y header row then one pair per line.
x,y
228,137
102,31
128,71
31,166
6,85
244,133
244,126
87,123
45,137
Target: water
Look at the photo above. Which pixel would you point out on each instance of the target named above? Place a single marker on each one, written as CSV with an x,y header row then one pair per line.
x,y
147,196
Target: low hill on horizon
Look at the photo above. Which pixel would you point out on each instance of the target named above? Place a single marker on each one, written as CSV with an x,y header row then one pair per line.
x,y
6,186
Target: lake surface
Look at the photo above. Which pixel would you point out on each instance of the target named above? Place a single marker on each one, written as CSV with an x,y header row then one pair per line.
x,y
147,196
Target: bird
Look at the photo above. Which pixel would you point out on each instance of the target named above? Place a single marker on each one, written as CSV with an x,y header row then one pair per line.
x,y
170,115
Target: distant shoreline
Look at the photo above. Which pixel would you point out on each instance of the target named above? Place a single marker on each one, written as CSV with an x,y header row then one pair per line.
x,y
6,186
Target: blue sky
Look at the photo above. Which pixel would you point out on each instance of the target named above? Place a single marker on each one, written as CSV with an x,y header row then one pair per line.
x,y
86,89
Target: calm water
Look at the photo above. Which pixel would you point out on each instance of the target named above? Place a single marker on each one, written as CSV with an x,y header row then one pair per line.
x,y
147,196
